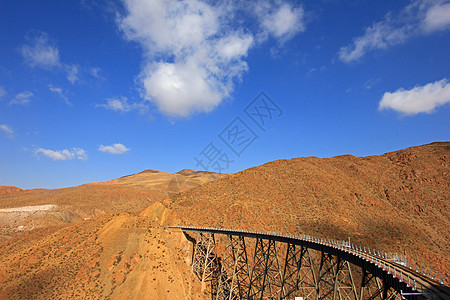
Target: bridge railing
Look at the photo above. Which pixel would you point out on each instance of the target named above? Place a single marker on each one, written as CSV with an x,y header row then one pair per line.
x,y
362,251
397,258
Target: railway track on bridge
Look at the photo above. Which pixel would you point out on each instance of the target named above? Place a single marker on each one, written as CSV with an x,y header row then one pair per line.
x,y
237,277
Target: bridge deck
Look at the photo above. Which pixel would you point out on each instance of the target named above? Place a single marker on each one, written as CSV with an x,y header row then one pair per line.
x,y
376,264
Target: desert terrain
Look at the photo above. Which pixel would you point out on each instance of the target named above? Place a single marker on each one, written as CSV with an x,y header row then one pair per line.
x,y
24,210
111,245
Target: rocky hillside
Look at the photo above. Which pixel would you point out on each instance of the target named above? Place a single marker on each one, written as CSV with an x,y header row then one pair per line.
x,y
23,210
120,257
8,190
398,201
395,202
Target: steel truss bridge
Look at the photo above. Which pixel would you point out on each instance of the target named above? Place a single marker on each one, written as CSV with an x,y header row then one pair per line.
x,y
268,265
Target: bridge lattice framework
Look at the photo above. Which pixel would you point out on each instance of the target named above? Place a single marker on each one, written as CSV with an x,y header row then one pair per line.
x,y
267,265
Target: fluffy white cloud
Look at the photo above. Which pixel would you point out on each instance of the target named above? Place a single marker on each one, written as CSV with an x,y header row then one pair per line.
x,y
114,149
437,17
21,98
121,104
233,46
182,89
73,153
194,53
419,17
60,93
40,53
7,130
283,21
420,99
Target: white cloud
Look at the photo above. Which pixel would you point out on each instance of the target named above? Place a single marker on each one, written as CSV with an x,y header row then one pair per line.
x,y
60,93
2,92
420,99
7,130
72,73
97,73
194,51
182,89
121,104
80,153
233,46
371,83
21,98
114,149
420,17
437,18
283,21
73,153
40,53
377,36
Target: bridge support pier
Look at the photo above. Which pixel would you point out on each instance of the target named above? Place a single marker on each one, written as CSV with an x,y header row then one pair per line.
x,y
371,286
265,277
234,276
259,265
298,276
205,260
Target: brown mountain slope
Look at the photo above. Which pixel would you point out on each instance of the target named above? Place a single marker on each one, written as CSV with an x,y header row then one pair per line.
x,y
22,210
118,257
396,202
167,183
8,190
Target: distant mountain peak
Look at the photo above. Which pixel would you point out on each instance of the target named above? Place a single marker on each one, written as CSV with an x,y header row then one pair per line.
x,y
8,190
149,171
186,172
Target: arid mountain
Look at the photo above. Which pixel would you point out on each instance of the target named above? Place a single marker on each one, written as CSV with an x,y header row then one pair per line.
x,y
167,183
395,202
22,210
108,257
8,190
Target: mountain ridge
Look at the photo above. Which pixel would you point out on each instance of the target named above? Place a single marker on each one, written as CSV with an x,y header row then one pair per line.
x,y
395,202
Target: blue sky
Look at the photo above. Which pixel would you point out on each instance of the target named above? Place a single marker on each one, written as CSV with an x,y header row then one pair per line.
x,y
95,90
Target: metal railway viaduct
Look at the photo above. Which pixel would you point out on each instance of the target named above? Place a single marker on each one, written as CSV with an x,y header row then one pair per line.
x,y
268,265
